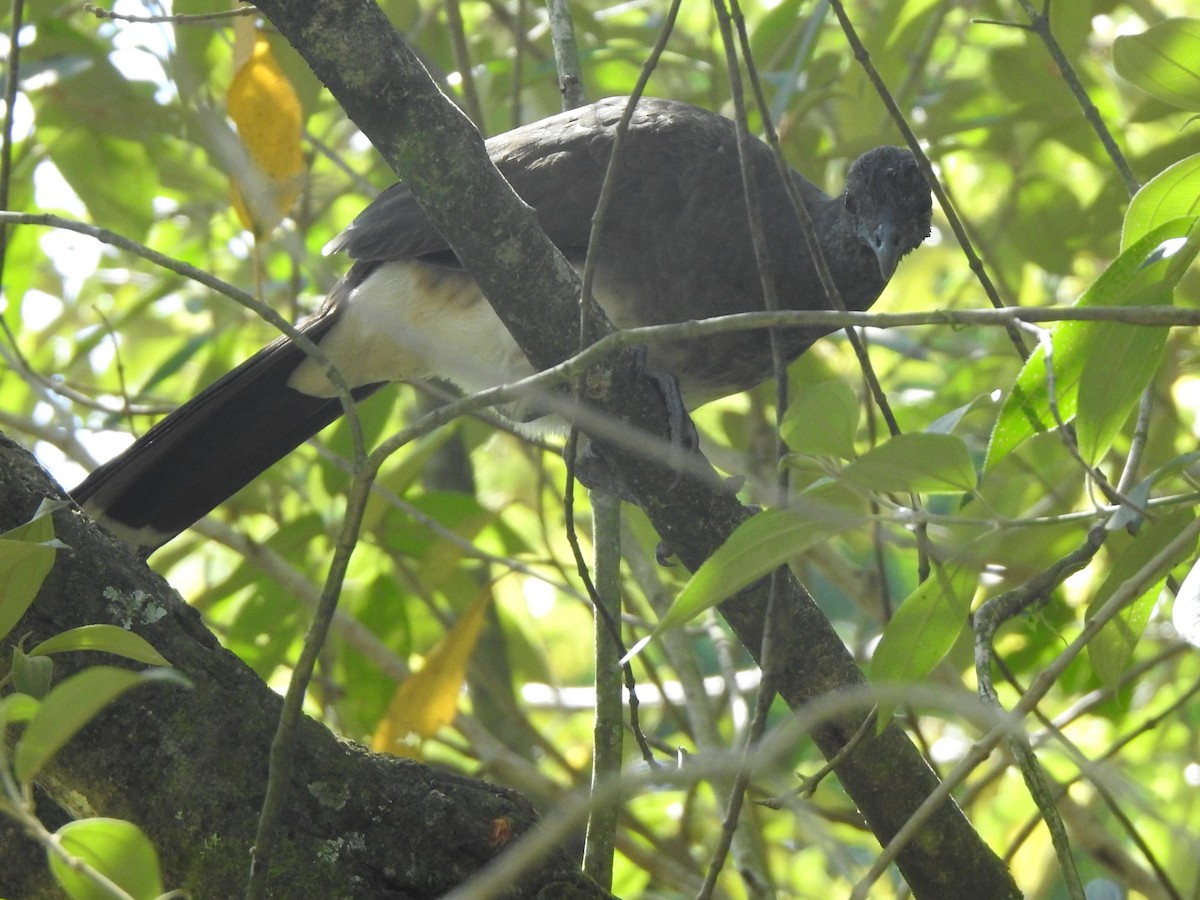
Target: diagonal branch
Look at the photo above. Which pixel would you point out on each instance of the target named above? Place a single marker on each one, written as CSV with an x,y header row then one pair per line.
x,y
382,87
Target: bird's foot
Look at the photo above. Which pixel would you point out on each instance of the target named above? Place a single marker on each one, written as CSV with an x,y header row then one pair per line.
x,y
681,433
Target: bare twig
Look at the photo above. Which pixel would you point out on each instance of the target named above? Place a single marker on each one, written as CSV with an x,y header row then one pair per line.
x,y
11,83
181,19
1042,684
948,209
1039,24
566,54
462,59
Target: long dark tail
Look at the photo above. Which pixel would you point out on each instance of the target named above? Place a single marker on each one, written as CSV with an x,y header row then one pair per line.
x,y
210,447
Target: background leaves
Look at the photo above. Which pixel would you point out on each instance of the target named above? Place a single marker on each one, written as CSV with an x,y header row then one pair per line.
x,y
120,123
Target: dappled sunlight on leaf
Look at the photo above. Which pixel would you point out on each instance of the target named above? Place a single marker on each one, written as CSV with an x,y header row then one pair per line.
x,y
428,699
266,110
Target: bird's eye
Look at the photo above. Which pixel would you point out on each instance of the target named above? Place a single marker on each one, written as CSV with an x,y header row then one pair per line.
x,y
851,204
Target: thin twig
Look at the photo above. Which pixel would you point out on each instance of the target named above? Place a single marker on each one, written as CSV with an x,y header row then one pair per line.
x,y
601,833
1038,786
283,745
1068,434
1089,769
566,54
601,836
1044,682
1039,24
12,83
758,240
516,115
948,209
809,783
462,59
586,302
181,19
1151,316
1137,442
741,780
210,281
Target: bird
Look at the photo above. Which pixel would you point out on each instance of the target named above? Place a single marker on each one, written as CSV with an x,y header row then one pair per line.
x,y
675,246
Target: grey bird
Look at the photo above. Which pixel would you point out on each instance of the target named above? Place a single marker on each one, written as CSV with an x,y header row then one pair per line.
x,y
675,246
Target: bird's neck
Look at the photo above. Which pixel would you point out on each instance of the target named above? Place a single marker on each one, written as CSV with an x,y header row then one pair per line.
x,y
853,266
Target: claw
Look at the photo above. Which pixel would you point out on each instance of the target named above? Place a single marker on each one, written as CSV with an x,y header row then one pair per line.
x,y
681,432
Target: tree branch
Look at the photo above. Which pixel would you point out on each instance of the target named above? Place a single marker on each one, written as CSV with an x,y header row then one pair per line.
x,y
382,87
189,766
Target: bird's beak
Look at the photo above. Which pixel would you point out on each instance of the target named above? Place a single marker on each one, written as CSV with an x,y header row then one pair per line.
x,y
884,240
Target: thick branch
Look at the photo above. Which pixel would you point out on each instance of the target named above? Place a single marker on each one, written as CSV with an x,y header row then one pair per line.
x,y
189,766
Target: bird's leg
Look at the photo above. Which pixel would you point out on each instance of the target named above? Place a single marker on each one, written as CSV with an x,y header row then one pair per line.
x,y
682,438
681,432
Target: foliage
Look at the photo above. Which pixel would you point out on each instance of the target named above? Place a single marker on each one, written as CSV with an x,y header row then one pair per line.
x,y
94,857
119,123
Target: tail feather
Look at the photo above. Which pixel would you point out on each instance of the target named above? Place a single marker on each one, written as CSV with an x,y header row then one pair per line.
x,y
211,447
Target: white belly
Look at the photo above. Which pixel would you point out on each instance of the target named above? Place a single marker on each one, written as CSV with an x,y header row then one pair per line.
x,y
411,320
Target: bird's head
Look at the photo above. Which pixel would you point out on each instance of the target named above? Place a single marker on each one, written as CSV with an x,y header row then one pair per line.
x,y
888,204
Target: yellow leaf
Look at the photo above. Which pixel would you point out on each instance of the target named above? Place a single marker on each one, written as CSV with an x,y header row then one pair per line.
x,y
428,699
264,107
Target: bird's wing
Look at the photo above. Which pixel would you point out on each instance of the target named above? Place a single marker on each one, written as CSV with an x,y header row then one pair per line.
x,y
557,166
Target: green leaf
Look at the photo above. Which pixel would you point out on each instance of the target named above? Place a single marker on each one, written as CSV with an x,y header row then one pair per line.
x,y
1111,649
174,363
123,198
1047,213
759,545
23,568
70,706
919,462
118,850
39,529
105,638
1139,495
925,626
1119,365
31,674
17,708
1171,194
947,422
1164,61
92,95
821,420
1145,274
